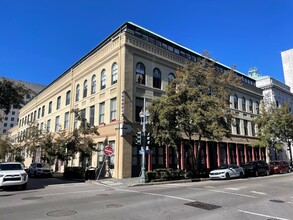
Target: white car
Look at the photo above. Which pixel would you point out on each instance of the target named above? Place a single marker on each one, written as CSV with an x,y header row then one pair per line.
x,y
40,169
227,172
13,174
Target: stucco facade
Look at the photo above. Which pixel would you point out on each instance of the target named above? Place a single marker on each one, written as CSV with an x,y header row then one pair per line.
x,y
129,66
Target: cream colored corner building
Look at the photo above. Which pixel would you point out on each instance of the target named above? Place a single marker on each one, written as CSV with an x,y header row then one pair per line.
x,y
110,84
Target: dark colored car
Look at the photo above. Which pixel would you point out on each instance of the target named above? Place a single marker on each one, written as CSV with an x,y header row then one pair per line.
x,y
279,166
256,168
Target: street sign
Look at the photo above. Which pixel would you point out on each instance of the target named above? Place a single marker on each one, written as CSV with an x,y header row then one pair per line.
x,y
108,151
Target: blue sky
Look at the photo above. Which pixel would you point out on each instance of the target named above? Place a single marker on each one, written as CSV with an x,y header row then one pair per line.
x,y
39,40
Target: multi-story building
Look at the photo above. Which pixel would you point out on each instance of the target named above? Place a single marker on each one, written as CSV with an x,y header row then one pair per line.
x,y
11,119
110,85
274,93
287,61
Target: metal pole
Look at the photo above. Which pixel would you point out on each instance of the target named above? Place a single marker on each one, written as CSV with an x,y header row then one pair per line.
x,y
143,176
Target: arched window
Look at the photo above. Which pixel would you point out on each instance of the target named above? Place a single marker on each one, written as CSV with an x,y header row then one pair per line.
x,y
114,76
77,93
84,89
140,73
157,79
243,104
58,105
235,101
103,79
67,102
94,84
171,77
250,105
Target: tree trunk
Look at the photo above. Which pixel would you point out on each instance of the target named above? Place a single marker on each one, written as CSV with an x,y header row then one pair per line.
x,y
197,171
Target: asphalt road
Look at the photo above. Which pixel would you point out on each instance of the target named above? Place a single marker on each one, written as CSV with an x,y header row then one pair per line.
x,y
262,198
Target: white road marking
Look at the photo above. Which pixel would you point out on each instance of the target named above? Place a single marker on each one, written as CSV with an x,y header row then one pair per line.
x,y
155,194
258,214
259,193
235,194
235,189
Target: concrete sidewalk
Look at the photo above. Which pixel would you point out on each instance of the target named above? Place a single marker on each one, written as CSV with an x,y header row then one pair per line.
x,y
132,182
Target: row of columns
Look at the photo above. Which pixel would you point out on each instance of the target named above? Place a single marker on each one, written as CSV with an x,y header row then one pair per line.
x,y
207,156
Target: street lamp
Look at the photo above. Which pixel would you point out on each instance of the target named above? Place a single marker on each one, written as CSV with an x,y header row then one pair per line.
x,y
144,114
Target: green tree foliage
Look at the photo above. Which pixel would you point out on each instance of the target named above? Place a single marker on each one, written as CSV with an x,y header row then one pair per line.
x,y
195,106
275,126
12,94
5,148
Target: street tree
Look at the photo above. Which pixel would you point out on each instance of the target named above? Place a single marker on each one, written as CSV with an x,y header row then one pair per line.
x,y
197,105
80,140
275,127
12,94
5,147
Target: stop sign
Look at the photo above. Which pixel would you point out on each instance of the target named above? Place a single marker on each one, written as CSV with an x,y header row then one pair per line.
x,y
108,150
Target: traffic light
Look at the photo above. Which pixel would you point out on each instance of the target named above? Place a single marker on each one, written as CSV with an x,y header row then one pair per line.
x,y
148,138
138,138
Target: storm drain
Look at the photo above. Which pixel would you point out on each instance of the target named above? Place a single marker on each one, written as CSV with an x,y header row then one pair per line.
x,y
114,206
203,205
61,213
31,198
277,201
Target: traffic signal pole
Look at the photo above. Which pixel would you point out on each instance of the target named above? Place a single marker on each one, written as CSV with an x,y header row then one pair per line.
x,y
143,178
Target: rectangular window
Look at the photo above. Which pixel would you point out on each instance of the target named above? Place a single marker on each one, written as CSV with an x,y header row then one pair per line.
x,y
49,125
39,113
13,112
92,115
113,109
43,111
245,127
50,108
83,114
42,126
253,129
138,108
58,103
237,126
57,123
102,113
66,120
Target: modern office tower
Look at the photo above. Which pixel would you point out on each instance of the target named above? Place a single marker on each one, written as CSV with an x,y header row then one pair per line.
x,y
112,84
287,61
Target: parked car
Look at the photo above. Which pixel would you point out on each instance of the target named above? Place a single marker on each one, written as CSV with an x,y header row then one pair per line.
x,y
256,168
279,166
40,169
227,172
13,174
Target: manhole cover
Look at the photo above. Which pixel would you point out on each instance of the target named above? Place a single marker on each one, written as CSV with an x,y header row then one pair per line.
x,y
277,201
202,205
61,213
114,206
31,198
